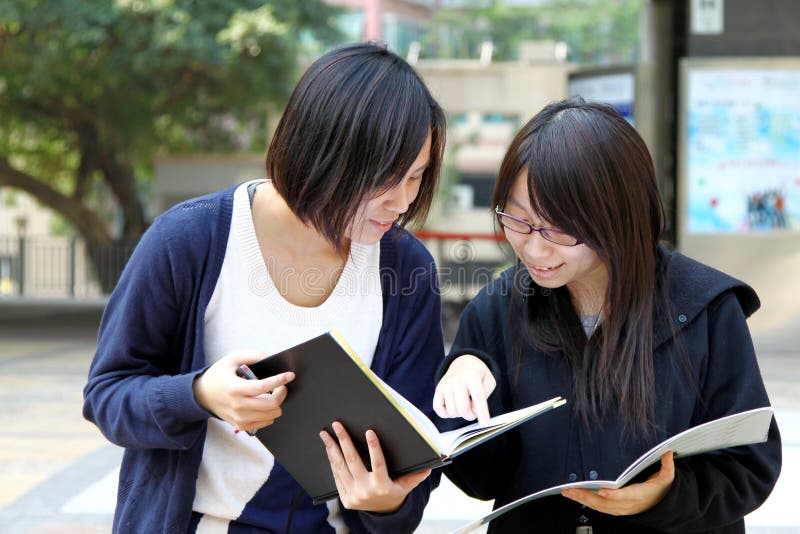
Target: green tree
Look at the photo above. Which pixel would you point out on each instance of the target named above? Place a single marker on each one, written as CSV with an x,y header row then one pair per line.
x,y
90,90
598,32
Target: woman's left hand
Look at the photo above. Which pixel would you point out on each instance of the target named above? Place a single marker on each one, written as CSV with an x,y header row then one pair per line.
x,y
360,489
632,499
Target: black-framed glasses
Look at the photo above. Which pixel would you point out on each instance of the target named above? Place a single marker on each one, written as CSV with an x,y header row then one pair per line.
x,y
515,224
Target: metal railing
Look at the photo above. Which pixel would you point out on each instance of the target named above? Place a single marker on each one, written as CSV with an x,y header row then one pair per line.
x,y
68,267
60,267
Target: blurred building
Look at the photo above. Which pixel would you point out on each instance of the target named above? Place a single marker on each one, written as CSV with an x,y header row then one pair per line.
x,y
398,23
486,103
20,213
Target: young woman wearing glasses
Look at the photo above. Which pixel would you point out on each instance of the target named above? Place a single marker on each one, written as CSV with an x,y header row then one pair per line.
x,y
643,342
229,278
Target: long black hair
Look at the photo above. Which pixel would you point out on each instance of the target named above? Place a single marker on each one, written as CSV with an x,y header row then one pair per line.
x,y
589,173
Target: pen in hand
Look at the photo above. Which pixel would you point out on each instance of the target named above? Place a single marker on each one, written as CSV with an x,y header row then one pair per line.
x,y
243,371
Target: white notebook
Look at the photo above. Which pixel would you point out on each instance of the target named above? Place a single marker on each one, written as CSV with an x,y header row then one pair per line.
x,y
742,428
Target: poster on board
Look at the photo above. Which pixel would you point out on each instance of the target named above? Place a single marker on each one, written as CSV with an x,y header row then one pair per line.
x,y
742,132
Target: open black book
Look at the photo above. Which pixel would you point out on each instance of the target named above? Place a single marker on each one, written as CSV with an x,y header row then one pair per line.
x,y
734,430
332,384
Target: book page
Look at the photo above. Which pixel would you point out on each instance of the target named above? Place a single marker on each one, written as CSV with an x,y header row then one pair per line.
x,y
730,431
466,437
742,428
447,442
444,443
555,490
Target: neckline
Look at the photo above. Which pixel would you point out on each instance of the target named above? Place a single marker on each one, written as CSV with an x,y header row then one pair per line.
x,y
590,323
260,281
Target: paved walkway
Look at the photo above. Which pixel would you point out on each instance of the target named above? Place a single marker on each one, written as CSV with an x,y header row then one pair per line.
x,y
58,474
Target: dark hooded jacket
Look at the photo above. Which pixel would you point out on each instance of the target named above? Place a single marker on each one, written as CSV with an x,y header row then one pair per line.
x,y
711,492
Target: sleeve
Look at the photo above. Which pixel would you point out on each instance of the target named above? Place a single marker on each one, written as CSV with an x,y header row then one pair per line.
x,y
139,391
483,471
418,350
719,488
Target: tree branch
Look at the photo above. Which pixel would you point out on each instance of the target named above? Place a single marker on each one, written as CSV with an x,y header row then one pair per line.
x,y
85,221
188,78
109,158
82,177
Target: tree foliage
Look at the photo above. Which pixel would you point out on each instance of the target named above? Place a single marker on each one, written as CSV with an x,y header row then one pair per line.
x,y
90,90
597,32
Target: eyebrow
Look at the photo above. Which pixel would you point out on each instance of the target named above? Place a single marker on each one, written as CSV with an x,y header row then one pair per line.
x,y
514,201
535,216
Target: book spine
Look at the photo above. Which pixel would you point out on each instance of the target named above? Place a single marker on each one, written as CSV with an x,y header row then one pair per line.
x,y
379,384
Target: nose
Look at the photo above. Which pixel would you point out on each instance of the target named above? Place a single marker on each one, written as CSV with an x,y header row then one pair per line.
x,y
535,246
400,197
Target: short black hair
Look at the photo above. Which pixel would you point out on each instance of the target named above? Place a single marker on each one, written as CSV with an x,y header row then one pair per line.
x,y
353,126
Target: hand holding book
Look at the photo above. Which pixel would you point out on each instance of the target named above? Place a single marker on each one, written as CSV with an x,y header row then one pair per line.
x,y
631,499
744,428
245,405
361,488
324,368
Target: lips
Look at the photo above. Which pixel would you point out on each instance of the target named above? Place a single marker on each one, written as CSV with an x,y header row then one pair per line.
x,y
544,271
383,224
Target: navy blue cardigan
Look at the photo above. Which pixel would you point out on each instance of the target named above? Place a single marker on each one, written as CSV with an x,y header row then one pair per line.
x,y
150,349
711,493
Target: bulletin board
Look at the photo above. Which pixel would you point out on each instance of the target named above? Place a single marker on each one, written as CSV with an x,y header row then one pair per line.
x,y
739,146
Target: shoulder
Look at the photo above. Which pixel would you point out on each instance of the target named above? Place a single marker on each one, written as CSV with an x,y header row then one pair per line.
x,y
402,251
184,238
405,263
495,296
693,286
197,215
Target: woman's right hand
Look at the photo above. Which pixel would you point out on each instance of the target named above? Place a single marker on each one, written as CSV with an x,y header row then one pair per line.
x,y
246,404
463,390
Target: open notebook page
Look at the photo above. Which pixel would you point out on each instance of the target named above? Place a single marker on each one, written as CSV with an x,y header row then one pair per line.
x,y
446,442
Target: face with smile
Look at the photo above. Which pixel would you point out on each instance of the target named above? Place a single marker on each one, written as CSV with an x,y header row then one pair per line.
x,y
377,214
550,265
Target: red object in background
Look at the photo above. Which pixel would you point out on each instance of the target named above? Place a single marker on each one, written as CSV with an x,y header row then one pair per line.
x,y
428,234
714,202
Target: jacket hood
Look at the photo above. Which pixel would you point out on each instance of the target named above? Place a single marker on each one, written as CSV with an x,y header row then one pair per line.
x,y
692,286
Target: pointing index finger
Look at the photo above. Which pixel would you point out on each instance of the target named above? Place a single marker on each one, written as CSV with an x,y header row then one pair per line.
x,y
479,405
